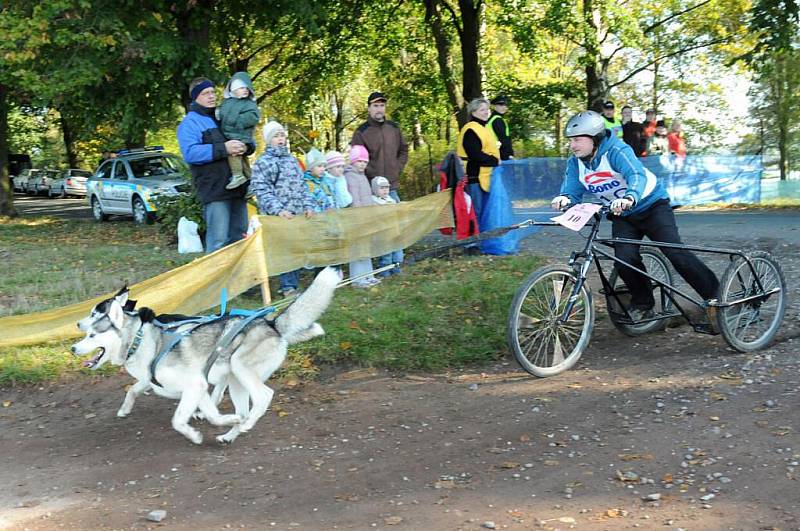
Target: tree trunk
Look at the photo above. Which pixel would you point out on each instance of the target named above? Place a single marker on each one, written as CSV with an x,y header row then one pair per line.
x,y
471,75
192,23
656,87
558,132
6,193
338,122
433,17
596,81
69,142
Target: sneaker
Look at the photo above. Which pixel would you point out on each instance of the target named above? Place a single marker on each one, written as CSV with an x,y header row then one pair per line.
x,y
289,292
235,182
638,314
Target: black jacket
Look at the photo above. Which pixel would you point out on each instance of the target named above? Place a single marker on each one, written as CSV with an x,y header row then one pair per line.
x,y
499,126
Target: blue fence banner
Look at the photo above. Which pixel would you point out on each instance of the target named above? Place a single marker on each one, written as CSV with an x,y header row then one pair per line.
x,y
697,179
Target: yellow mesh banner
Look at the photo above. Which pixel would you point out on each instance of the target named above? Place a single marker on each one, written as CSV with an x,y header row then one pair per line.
x,y
281,245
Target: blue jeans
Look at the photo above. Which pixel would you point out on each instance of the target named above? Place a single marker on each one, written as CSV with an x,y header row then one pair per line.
x,y
226,222
395,257
478,197
290,280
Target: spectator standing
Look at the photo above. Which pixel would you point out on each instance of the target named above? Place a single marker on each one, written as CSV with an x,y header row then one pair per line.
x,y
658,144
676,140
477,147
239,115
381,196
280,190
318,187
499,125
612,122
334,178
206,150
633,132
649,124
361,192
388,150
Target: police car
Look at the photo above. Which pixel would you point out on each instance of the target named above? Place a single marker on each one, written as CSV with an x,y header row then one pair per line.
x,y
126,184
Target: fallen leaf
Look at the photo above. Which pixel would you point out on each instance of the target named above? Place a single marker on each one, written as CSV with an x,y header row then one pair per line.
x,y
6,403
346,497
575,386
713,418
345,345
566,520
667,478
550,462
393,520
719,397
635,457
524,438
444,484
509,464
615,513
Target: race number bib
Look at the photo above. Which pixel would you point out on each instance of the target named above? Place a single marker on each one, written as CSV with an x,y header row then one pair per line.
x,y
576,217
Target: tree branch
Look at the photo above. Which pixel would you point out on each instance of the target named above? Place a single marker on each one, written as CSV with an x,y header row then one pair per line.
x,y
454,16
677,14
667,56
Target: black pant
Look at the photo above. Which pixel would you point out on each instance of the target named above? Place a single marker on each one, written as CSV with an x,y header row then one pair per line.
x,y
658,224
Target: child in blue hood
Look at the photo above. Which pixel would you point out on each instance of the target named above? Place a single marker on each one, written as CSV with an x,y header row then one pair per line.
x,y
238,116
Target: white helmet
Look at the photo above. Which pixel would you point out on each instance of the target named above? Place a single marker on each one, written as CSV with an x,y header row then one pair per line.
x,y
586,123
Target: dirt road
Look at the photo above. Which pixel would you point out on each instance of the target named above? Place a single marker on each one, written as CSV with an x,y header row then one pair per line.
x,y
668,431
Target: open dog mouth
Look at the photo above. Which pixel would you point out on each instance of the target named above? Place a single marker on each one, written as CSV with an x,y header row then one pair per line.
x,y
92,363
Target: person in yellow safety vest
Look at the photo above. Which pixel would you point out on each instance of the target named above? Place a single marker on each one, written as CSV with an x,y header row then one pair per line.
x,y
612,122
499,125
477,147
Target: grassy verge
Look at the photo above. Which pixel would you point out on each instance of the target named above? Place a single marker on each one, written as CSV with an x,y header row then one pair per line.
x,y
437,314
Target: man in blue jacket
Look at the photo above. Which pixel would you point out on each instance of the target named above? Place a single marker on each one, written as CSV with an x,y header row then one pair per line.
x,y
603,165
206,151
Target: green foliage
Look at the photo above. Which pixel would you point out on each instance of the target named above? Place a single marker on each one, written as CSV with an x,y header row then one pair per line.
x,y
170,209
421,176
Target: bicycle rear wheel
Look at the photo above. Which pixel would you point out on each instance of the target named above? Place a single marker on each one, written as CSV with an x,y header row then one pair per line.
x,y
751,324
542,344
657,265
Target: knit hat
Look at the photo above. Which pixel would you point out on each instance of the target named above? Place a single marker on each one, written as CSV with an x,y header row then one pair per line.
x,y
271,128
358,153
314,157
377,182
334,158
237,84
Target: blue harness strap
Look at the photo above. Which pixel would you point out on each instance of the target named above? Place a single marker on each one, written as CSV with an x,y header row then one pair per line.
x,y
172,338
227,339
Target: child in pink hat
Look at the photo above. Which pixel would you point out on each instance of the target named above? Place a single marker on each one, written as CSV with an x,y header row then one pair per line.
x,y
358,186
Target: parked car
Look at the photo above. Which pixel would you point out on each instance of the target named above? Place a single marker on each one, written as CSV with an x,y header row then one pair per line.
x,y
39,181
21,180
125,185
70,182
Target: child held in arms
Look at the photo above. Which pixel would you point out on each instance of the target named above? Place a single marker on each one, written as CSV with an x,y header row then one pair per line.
x,y
238,116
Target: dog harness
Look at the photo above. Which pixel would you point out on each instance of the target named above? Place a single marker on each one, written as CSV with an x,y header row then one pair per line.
x,y
173,337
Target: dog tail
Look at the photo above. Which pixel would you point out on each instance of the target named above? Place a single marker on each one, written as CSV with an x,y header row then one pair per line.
x,y
309,306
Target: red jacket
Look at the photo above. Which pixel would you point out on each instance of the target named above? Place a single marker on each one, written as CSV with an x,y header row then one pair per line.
x,y
677,144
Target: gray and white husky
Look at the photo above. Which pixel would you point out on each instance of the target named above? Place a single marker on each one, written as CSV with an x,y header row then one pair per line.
x,y
250,359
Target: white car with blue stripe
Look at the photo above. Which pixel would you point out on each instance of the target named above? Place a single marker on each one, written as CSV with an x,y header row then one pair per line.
x,y
125,185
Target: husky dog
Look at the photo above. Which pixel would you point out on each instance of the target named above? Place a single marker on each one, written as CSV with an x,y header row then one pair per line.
x,y
247,362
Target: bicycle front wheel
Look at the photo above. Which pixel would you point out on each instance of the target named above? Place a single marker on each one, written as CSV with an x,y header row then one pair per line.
x,y
542,343
752,323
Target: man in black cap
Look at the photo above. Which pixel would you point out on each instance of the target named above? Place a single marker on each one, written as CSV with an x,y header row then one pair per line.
x,y
612,122
388,150
500,127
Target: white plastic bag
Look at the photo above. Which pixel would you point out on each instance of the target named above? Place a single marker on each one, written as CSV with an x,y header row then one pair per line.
x,y
188,239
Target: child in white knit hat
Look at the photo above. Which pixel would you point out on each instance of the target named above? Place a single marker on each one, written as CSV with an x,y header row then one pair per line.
x,y
380,196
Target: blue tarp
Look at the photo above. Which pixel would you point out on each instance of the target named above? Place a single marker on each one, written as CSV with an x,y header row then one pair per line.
x,y
522,189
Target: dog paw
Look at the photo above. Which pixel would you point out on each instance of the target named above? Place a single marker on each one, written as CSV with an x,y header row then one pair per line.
x,y
229,420
198,416
122,413
195,437
225,438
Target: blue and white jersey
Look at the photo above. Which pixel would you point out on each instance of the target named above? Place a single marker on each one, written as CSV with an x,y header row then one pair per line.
x,y
613,172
